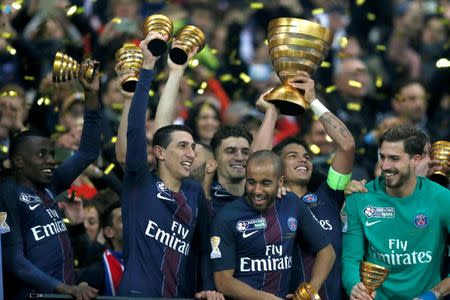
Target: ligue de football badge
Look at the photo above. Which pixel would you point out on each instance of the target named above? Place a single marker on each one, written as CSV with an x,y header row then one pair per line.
x,y
215,253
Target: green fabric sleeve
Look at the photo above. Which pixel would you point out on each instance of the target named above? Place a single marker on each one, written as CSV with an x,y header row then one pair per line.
x,y
337,181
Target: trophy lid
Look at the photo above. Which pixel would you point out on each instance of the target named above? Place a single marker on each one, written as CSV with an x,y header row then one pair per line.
x,y
304,26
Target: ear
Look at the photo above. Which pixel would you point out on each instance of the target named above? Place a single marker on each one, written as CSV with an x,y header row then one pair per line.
x,y
416,159
281,181
17,161
211,166
396,103
108,232
158,152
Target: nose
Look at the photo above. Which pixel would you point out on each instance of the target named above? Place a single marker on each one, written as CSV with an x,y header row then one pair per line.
x,y
51,159
190,152
258,189
385,164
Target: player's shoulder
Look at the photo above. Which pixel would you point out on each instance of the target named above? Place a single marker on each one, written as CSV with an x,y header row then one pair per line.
x,y
433,189
234,209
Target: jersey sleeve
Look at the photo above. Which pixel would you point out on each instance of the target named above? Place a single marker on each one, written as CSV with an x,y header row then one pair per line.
x,y
136,157
309,230
12,247
352,243
223,244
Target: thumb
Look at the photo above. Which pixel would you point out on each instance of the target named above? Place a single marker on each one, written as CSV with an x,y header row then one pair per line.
x,y
364,181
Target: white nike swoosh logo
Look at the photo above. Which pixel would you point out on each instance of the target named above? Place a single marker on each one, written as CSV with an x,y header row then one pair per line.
x,y
219,195
246,235
368,224
160,196
34,206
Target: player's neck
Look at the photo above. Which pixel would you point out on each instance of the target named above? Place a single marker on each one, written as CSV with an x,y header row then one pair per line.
x,y
235,188
169,180
23,181
405,190
296,188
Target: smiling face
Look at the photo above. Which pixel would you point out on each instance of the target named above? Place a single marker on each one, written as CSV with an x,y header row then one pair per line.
x,y
232,156
397,166
297,164
262,184
207,123
35,161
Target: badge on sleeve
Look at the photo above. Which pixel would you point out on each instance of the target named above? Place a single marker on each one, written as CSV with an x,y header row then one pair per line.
x,y
215,253
4,228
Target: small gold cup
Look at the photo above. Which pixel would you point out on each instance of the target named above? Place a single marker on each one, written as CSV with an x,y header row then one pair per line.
x,y
132,58
295,45
66,68
372,275
161,24
187,39
440,150
306,292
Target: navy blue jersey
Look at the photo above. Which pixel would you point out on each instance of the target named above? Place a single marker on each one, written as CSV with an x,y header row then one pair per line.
x,y
219,197
37,252
259,245
158,224
325,204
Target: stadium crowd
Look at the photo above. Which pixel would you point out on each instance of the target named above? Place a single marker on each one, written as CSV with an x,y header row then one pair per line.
x,y
193,185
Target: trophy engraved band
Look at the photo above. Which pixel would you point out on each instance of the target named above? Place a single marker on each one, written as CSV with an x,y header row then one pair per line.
x,y
187,39
132,58
440,151
372,275
295,45
164,26
306,292
65,68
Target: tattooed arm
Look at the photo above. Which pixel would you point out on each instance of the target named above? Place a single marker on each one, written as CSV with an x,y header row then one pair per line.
x,y
335,128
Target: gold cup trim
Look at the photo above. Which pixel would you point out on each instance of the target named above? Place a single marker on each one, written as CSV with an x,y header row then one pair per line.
x,y
306,26
187,39
306,292
372,275
65,68
285,40
132,59
161,24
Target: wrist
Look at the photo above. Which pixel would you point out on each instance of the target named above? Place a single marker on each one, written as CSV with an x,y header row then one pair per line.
x,y
148,66
318,108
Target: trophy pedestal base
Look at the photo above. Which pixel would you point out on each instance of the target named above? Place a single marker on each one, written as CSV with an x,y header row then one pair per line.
x,y
439,177
178,56
288,100
129,85
157,47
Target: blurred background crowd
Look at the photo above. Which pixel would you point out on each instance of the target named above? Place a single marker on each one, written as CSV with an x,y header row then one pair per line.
x,y
389,64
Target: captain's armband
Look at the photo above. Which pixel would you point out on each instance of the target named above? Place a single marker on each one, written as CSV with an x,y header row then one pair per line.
x,y
337,181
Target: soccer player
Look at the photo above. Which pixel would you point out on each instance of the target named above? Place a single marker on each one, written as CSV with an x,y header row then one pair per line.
x,y
253,237
37,253
324,201
161,210
401,223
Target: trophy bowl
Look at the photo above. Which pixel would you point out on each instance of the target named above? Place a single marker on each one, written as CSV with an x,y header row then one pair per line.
x,y
187,39
161,24
440,151
372,275
295,45
132,59
306,292
65,68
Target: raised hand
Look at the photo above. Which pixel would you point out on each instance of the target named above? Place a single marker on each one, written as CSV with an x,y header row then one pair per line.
x,y
303,82
149,59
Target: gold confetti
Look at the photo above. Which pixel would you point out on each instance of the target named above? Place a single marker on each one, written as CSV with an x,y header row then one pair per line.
x,y
317,11
225,77
325,64
360,2
354,106
117,105
379,82
66,220
17,5
193,63
213,51
4,149
371,16
188,103
200,91
256,5
116,20
443,63
29,78
109,168
60,128
380,47
47,101
114,139
11,50
244,77
328,139
314,149
151,93
266,41
6,35
40,101
72,10
330,89
343,42
354,83
203,85
191,82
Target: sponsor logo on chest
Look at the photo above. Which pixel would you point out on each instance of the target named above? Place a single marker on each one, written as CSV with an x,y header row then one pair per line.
x,y
379,212
250,227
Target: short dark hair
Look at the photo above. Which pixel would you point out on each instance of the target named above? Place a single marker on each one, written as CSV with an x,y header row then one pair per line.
x,y
206,147
414,140
106,217
290,140
163,136
194,113
19,139
262,155
404,82
230,131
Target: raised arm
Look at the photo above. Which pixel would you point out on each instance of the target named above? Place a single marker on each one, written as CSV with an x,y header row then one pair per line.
x,y
343,160
166,111
263,139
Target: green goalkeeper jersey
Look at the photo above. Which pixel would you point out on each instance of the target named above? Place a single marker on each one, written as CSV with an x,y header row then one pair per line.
x,y
406,235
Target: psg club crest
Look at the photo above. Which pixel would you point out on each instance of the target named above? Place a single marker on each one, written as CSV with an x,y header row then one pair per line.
x,y
292,223
310,198
421,221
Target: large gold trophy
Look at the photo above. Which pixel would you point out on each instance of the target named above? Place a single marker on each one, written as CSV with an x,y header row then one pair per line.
x,y
187,39
440,151
372,275
295,45
65,68
132,59
306,292
161,24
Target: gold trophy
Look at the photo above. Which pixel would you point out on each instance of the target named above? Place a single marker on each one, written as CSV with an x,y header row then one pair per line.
x,y
306,292
66,68
440,151
295,45
161,24
187,38
372,275
132,58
